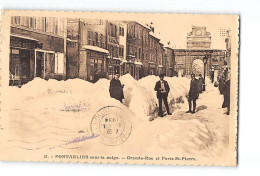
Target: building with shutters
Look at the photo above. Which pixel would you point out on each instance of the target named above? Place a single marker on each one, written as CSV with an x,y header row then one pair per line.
x,y
37,49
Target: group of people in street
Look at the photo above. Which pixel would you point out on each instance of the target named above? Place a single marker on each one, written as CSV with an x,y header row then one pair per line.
x,y
162,89
223,84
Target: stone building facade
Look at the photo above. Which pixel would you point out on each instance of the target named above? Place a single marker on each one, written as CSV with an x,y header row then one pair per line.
x,y
87,53
153,52
190,60
37,48
170,62
137,49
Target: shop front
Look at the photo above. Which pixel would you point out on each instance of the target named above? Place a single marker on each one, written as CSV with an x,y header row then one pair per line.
x,y
49,64
123,66
152,68
113,66
22,59
93,63
28,61
160,69
138,70
130,65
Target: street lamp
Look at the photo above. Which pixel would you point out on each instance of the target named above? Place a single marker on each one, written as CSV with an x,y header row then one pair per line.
x,y
205,59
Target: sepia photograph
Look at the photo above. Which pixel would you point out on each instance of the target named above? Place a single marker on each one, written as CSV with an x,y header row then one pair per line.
x,y
99,87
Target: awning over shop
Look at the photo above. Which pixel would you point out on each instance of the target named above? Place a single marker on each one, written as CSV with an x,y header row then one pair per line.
x,y
138,63
95,48
123,61
116,58
24,37
131,56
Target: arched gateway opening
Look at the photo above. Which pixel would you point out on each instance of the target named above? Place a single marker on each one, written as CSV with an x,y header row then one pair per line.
x,y
197,67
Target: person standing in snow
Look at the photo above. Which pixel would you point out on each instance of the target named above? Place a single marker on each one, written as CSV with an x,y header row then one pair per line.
x,y
200,83
116,88
162,89
226,93
193,94
221,84
212,74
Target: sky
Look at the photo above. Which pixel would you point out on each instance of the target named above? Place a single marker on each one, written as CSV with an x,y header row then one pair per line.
x,y
175,29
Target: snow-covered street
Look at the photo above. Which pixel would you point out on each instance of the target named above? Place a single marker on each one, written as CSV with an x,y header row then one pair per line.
x,y
46,115
204,133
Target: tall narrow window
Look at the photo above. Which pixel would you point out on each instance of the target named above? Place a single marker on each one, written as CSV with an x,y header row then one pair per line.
x,y
96,39
32,22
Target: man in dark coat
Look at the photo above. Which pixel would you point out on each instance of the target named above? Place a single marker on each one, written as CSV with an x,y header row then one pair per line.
x,y
221,84
200,83
212,74
162,89
226,92
193,93
116,88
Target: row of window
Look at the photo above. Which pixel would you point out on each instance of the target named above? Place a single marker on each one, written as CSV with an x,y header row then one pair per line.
x,y
138,33
112,30
96,39
116,51
43,24
139,55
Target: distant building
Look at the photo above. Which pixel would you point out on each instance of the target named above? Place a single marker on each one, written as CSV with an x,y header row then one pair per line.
x,y
137,49
170,62
189,60
153,52
116,51
228,47
123,46
161,59
198,38
87,53
37,48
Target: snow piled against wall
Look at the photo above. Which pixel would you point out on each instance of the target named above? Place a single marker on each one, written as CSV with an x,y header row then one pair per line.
x,y
140,96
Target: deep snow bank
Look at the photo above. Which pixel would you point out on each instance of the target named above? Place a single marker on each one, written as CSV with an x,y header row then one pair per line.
x,y
140,96
77,94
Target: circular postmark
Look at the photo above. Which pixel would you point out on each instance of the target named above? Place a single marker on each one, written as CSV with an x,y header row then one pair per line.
x,y
112,125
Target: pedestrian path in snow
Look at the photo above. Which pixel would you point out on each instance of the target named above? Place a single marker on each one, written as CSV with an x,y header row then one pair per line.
x,y
204,133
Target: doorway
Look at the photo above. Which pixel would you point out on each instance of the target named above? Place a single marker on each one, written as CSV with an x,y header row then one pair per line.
x,y
25,66
197,67
39,64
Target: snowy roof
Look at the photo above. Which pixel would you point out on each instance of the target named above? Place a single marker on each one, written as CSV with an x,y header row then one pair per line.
x,y
151,63
95,48
161,42
154,35
23,37
168,46
144,25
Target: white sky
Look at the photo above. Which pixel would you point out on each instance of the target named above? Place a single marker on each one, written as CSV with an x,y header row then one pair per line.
x,y
176,29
